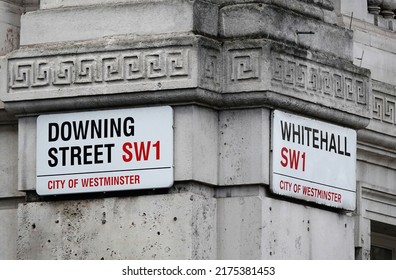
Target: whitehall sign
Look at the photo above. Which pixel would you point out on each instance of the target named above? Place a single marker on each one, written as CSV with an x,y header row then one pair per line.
x,y
313,161
102,151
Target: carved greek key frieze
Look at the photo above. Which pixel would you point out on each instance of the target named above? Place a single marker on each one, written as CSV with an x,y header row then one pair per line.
x,y
98,68
211,68
384,109
314,79
244,65
64,70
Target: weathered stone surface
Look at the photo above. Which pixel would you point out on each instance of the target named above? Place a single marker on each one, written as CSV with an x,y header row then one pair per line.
x,y
27,153
204,17
196,144
8,160
260,227
381,129
378,61
106,66
262,20
384,109
8,236
205,14
262,65
308,233
9,27
172,226
244,149
48,4
53,4
267,73
142,18
239,228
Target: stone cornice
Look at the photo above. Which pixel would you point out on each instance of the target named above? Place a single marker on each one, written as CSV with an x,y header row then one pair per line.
x,y
196,96
381,131
185,69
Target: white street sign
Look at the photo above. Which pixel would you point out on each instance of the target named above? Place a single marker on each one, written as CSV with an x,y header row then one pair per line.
x,y
102,151
313,161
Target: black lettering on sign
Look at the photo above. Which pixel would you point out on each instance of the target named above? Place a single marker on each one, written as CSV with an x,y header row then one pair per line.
x,y
91,129
315,138
84,155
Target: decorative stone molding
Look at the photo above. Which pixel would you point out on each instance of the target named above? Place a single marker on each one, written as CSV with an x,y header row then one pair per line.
x,y
384,108
313,79
243,66
264,66
384,103
211,68
98,68
99,72
381,129
253,72
383,120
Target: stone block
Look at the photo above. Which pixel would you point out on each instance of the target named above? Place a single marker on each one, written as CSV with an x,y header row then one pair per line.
x,y
205,14
8,236
239,228
385,42
260,227
357,7
8,160
244,146
211,65
260,65
102,67
263,20
9,27
127,17
292,4
56,4
172,226
27,153
378,61
196,144
206,17
383,114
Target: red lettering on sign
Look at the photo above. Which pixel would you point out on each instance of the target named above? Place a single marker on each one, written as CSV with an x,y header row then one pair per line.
x,y
56,184
141,151
110,181
291,158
